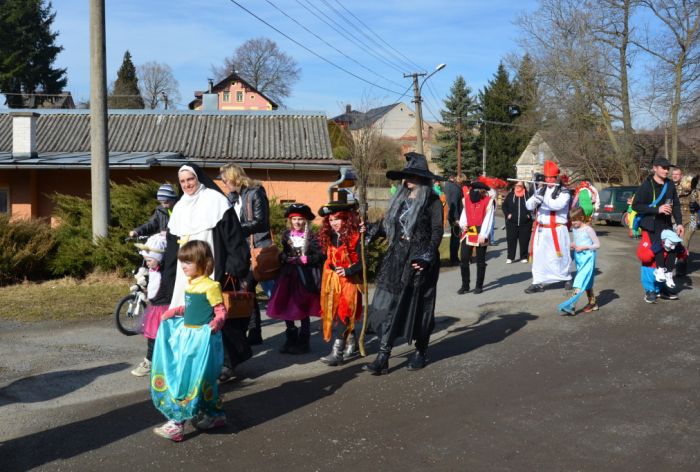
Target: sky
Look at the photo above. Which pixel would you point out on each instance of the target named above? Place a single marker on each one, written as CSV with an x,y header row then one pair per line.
x,y
470,36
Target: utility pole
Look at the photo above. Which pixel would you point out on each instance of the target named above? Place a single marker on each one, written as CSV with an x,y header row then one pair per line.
x,y
459,147
99,160
483,153
165,99
419,112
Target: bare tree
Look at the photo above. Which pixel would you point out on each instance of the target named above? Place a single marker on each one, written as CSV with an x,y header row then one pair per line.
x,y
676,51
158,85
263,65
581,50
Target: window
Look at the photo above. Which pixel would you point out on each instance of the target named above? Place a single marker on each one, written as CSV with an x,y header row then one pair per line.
x,y
239,96
4,200
252,97
227,96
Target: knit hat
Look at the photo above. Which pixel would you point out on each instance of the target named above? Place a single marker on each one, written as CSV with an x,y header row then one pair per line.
x,y
154,247
166,192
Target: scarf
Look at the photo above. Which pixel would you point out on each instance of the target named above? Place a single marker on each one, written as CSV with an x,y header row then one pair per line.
x,y
519,192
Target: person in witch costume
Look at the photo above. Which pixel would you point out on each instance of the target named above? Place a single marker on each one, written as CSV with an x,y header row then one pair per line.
x,y
341,281
476,223
296,295
203,213
549,245
404,300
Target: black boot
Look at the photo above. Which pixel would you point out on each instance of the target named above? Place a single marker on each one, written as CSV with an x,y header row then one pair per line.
x,y
480,274
335,358
417,361
465,280
254,337
302,344
380,366
292,339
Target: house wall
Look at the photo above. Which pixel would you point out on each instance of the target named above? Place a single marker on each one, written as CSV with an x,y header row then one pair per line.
x,y
400,121
252,100
30,190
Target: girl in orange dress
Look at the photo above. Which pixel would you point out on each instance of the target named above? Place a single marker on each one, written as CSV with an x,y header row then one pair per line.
x,y
341,282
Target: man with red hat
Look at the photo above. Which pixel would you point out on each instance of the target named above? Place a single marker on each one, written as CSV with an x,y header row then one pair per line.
x,y
549,247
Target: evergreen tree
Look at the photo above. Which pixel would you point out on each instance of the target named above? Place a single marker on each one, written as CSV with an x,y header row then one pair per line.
x,y
125,91
28,50
497,104
527,100
457,118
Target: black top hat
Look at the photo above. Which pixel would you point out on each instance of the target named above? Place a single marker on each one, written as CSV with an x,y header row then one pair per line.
x,y
334,207
477,185
301,209
417,166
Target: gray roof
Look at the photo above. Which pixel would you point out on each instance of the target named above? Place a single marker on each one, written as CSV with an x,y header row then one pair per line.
x,y
247,136
77,160
358,119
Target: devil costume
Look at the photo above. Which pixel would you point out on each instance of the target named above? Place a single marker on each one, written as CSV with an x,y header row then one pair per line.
x,y
404,300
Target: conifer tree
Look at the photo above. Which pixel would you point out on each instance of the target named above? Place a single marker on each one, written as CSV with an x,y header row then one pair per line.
x,y
125,91
28,50
498,107
458,117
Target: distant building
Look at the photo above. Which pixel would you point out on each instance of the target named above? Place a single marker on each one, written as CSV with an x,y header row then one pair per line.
x,y
63,100
232,93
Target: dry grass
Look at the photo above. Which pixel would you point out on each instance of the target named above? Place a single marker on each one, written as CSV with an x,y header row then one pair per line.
x,y
65,299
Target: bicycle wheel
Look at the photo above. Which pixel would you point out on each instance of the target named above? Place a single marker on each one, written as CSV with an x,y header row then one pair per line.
x,y
128,314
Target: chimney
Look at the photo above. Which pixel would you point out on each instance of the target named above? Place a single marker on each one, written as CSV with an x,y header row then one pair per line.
x,y
211,85
24,134
348,108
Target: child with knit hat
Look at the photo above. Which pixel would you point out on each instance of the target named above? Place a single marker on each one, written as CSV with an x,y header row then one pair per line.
x,y
152,253
159,220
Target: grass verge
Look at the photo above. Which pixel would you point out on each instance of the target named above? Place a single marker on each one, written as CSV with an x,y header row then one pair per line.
x,y
65,299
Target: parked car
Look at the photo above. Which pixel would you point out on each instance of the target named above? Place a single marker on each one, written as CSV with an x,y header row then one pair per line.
x,y
613,204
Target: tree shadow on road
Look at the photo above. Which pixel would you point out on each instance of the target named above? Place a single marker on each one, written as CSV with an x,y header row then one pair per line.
x,y
39,388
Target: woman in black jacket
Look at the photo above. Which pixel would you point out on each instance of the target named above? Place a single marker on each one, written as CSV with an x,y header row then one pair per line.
x,y
250,201
518,222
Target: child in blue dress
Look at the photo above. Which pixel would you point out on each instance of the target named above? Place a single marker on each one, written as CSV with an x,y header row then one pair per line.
x,y
188,352
585,245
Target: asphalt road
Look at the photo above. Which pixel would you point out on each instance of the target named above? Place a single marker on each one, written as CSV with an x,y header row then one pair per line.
x,y
510,386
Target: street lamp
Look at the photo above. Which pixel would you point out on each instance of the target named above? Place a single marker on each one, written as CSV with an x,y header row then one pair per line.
x,y
417,100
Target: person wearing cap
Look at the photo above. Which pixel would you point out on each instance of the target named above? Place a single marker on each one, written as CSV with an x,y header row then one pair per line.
x,y
403,305
152,252
549,246
341,280
297,288
475,222
656,202
159,220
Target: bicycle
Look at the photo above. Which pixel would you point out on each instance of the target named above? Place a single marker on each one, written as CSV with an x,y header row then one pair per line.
x,y
130,309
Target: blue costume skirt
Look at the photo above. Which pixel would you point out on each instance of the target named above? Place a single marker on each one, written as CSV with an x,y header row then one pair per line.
x,y
186,364
585,271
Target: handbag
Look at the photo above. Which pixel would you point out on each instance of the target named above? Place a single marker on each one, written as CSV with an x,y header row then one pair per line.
x,y
238,303
264,261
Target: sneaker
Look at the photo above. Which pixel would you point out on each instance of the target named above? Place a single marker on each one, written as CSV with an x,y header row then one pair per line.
x,y
669,280
171,430
533,288
660,274
210,422
523,261
590,307
650,296
509,261
226,375
143,369
665,295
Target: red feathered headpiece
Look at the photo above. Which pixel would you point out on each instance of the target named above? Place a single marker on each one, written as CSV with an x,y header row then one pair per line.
x,y
551,169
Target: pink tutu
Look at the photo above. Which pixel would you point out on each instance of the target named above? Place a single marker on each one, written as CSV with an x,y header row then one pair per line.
x,y
151,320
291,301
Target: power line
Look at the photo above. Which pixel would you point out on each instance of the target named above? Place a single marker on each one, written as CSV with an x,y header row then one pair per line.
x,y
310,51
330,45
340,14
409,61
347,35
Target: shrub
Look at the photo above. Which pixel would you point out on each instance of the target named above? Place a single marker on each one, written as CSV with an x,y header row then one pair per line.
x,y
24,245
130,205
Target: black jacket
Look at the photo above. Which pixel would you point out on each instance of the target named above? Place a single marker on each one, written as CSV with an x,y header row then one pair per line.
x,y
453,195
157,223
515,206
652,220
255,216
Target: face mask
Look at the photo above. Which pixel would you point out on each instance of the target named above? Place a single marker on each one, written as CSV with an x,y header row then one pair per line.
x,y
475,195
